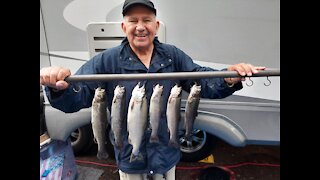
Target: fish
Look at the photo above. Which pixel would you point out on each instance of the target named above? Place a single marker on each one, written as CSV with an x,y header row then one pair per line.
x,y
117,115
191,111
137,121
173,114
155,112
99,121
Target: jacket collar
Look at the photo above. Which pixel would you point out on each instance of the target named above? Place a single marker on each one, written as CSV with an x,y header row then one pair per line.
x,y
129,61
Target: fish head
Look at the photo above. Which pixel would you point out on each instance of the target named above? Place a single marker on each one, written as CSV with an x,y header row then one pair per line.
x,y
176,91
195,90
158,89
138,93
136,87
142,91
119,91
100,93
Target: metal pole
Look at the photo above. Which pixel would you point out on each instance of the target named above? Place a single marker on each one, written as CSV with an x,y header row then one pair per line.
x,y
173,75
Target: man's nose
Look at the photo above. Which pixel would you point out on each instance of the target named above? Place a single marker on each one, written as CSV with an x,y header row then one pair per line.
x,y
140,26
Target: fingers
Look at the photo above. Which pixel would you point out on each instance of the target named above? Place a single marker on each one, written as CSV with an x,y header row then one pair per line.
x,y
260,68
246,69
54,77
62,85
243,69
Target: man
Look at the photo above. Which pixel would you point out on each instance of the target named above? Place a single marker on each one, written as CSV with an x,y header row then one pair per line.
x,y
139,52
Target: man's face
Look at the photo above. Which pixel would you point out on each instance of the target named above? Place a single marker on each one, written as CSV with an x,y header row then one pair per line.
x,y
140,26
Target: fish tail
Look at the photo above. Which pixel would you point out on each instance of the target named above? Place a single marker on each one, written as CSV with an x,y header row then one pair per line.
x,y
134,158
102,155
119,145
174,144
154,139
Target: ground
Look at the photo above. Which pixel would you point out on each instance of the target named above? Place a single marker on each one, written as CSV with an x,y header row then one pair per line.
x,y
253,162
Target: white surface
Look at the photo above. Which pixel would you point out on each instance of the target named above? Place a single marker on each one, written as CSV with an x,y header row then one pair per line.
x,y
73,65
81,12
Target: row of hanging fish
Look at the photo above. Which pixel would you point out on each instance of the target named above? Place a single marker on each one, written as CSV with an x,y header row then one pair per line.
x,y
137,117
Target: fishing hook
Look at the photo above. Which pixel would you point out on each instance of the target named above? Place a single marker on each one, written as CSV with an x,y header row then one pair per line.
x,y
269,82
251,82
76,90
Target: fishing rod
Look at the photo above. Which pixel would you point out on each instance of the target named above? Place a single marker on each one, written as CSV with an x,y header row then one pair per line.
x,y
171,75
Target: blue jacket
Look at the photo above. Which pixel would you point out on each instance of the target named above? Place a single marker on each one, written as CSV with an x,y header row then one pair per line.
x,y
121,60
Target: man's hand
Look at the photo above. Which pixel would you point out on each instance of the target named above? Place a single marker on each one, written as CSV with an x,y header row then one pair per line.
x,y
54,77
244,70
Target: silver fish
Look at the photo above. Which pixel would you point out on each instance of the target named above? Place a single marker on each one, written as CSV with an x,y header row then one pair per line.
x,y
137,121
117,115
99,121
173,114
155,112
191,112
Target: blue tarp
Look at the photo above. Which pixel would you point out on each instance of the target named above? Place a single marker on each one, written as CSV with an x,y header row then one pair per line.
x,y
57,161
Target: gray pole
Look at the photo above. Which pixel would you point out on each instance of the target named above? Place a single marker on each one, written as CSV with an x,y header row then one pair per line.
x,y
173,75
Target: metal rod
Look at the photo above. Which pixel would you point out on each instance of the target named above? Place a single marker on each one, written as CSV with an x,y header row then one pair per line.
x,y
173,75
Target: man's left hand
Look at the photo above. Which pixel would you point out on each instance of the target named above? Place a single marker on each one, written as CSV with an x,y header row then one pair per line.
x,y
244,70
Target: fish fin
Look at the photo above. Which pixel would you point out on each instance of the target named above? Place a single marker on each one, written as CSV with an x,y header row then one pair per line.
x,y
134,158
102,155
169,99
132,105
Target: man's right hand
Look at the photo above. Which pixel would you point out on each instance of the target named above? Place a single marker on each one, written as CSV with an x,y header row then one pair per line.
x,y
54,77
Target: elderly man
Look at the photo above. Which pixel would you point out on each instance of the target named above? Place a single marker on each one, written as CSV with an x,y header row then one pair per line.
x,y
139,52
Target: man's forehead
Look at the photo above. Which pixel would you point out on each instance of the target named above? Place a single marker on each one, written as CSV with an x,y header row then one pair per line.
x,y
135,16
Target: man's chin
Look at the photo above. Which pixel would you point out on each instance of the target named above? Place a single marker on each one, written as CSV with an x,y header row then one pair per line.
x,y
141,45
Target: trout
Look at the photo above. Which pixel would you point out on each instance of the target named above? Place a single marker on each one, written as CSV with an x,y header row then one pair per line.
x,y
137,121
117,115
191,111
173,115
155,112
99,121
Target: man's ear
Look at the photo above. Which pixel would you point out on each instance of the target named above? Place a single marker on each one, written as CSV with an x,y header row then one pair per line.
x,y
123,27
158,25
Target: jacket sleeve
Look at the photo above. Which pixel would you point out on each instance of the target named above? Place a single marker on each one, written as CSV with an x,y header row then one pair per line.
x,y
79,94
213,88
